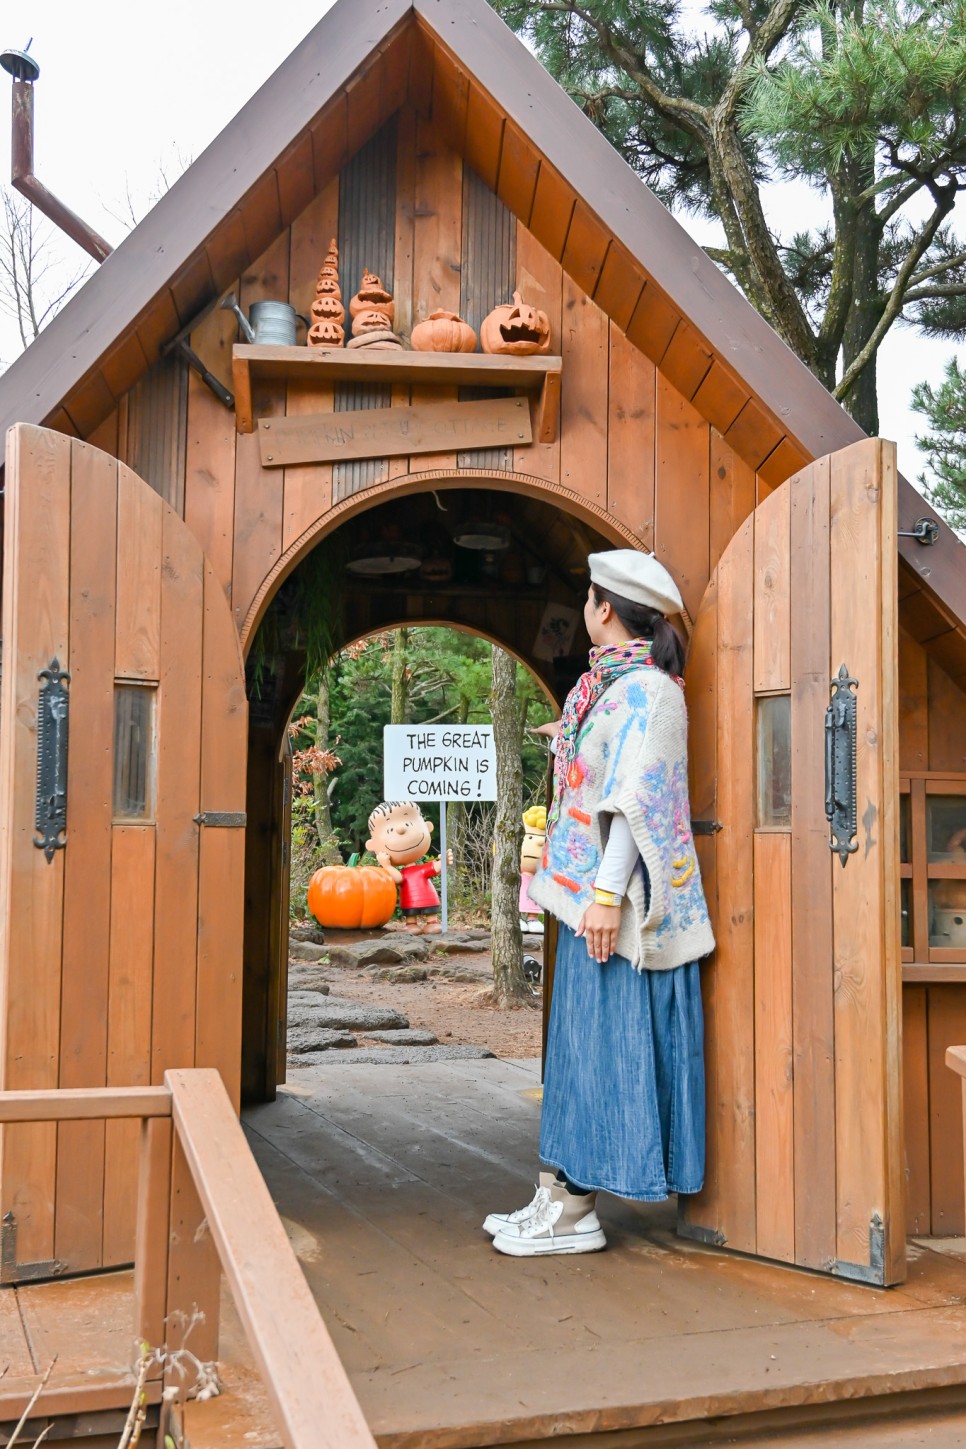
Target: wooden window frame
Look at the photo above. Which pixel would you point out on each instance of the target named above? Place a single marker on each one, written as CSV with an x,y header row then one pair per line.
x,y
921,961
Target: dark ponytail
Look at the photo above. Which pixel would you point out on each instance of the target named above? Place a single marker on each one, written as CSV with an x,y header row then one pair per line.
x,y
667,649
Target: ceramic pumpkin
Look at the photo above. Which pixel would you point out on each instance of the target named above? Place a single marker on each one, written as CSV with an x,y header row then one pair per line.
x,y
369,321
326,333
517,329
351,896
443,332
373,297
327,308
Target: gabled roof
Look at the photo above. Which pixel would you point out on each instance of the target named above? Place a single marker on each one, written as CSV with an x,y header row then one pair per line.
x,y
550,165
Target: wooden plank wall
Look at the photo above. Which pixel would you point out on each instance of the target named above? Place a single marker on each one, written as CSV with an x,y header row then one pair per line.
x,y
121,957
406,203
931,737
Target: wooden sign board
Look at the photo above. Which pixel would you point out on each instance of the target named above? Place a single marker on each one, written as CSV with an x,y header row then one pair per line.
x,y
433,427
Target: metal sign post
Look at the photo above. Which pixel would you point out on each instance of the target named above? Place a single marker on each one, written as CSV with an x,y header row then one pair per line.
x,y
426,763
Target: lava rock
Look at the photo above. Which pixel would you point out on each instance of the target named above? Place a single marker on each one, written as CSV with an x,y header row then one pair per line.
x,y
397,1056
338,1013
306,931
399,974
412,1037
302,1039
390,950
306,978
451,944
307,951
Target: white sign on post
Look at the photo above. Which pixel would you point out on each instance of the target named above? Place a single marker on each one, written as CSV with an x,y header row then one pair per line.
x,y
424,763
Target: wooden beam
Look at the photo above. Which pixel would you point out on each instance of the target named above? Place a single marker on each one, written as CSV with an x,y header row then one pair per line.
x,y
314,1403
394,432
84,1104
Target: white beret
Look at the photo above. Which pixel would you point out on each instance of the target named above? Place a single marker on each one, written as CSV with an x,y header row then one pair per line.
x,y
636,576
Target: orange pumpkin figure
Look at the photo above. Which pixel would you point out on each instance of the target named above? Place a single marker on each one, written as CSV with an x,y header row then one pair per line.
x,y
443,332
351,896
517,329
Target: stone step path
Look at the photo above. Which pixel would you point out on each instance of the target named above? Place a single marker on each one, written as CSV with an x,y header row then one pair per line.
x,y
326,1029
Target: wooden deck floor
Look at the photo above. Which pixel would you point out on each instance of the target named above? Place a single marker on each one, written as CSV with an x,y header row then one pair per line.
x,y
80,1328
385,1174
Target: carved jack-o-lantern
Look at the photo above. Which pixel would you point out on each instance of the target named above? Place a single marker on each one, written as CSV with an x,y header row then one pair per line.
x,y
328,308
518,329
373,297
369,321
443,332
328,287
326,333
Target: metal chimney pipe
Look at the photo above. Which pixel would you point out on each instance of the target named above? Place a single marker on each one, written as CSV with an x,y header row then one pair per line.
x,y
25,71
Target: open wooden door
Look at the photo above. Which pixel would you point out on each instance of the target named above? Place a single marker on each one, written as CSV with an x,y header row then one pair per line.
x,y
120,943
803,992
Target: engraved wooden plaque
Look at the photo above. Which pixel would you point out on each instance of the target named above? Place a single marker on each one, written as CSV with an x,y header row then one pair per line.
x,y
433,427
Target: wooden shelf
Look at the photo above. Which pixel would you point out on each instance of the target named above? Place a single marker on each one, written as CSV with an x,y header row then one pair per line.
x,y
933,972
539,376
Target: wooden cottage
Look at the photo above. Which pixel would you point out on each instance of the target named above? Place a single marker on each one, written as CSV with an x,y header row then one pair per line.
x,y
150,532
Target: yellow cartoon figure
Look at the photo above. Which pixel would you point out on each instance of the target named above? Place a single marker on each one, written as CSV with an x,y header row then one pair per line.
x,y
535,828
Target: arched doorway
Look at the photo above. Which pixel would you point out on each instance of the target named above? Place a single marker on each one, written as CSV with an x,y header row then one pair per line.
x,y
393,557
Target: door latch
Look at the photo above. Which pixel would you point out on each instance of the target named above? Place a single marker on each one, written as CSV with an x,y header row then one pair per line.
x,y
840,785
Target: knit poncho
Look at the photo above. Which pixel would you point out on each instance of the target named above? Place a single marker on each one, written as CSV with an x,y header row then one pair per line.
x,y
631,760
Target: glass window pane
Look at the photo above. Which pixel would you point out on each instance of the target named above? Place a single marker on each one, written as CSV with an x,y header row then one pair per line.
x,y
775,761
133,752
905,831
946,827
947,914
906,917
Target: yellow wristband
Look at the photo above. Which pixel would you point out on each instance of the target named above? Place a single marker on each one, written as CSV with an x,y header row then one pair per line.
x,y
606,898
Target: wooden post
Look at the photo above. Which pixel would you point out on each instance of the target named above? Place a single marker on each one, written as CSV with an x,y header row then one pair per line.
x,y
151,1250
309,1390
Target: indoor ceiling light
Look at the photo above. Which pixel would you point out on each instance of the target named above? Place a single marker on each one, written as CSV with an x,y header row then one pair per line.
x,y
479,533
385,556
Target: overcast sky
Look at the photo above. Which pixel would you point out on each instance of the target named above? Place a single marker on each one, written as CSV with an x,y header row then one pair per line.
x,y
127,91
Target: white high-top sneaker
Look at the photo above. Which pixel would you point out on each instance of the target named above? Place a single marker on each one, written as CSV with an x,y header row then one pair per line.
x,y
495,1221
561,1222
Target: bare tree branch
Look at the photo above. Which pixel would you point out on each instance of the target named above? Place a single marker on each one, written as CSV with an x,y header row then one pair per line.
x,y
33,288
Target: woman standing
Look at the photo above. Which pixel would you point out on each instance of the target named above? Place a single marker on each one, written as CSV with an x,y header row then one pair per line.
x,y
623,1100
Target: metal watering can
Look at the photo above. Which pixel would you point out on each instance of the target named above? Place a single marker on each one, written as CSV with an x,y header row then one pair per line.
x,y
272,324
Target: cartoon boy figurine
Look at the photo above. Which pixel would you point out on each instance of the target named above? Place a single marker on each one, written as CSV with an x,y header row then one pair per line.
x,y
399,836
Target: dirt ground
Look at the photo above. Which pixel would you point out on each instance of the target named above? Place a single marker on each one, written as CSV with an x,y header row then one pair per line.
x,y
451,1002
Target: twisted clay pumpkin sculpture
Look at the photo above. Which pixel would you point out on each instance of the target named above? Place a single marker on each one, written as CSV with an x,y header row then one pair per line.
x,y
327,310
372,310
517,329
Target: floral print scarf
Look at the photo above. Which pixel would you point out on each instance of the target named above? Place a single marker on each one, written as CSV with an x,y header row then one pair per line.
x,y
607,663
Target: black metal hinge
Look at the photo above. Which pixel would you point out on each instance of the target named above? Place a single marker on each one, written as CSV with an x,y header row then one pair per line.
x,y
706,827
13,1272
875,1271
222,819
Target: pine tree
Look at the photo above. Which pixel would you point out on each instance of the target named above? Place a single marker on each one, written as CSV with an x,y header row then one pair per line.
x,y
865,102
945,444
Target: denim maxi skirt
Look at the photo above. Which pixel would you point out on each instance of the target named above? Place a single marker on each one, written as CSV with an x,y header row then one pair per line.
x,y
623,1095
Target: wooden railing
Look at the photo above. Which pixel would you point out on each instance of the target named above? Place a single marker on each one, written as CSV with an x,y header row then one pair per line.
x,y
189,1129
